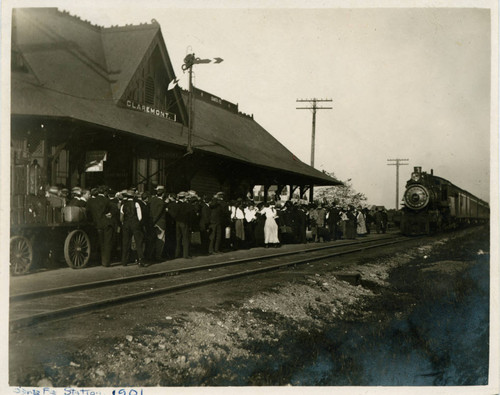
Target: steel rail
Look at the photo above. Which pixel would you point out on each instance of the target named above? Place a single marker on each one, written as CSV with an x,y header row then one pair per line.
x,y
175,272
134,297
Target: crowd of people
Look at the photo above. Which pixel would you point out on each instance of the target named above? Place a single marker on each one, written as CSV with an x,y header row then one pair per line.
x,y
151,227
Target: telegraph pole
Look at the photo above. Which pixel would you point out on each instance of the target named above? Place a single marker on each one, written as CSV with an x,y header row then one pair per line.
x,y
398,162
314,108
313,137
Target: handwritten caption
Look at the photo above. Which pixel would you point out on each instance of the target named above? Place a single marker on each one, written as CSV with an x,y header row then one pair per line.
x,y
76,391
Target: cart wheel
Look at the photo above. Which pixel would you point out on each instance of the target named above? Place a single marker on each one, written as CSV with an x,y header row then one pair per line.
x,y
21,255
77,249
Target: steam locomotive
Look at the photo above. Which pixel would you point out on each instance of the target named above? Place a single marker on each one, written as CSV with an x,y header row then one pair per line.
x,y
432,204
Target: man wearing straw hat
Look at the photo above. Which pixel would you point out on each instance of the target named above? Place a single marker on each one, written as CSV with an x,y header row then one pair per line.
x,y
183,215
100,210
157,213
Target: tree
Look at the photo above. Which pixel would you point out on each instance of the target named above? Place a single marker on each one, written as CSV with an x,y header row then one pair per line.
x,y
342,195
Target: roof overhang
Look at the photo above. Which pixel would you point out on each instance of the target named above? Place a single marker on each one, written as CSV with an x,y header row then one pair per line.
x,y
30,99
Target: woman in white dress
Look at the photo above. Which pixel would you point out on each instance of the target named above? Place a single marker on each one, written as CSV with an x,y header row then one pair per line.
x,y
361,223
270,227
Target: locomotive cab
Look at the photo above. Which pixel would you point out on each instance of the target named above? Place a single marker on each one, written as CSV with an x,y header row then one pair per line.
x,y
432,203
423,211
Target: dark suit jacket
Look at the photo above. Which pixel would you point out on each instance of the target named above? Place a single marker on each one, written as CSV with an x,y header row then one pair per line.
x,y
216,213
204,216
183,213
98,207
157,211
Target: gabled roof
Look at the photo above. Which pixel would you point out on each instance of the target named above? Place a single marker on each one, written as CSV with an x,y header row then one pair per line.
x,y
81,71
63,52
125,48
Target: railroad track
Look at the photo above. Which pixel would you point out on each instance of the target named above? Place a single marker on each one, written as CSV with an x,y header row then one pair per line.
x,y
44,305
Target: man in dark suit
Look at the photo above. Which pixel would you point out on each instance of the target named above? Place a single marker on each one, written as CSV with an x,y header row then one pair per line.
x,y
170,242
131,216
225,215
183,214
145,223
101,212
215,226
333,219
205,224
157,215
301,224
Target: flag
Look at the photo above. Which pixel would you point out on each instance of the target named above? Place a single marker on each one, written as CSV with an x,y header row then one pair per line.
x,y
173,84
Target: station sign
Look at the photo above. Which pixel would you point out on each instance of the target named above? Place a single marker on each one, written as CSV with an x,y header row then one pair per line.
x,y
151,110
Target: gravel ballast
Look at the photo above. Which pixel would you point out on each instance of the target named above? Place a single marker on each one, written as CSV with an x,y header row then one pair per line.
x,y
406,316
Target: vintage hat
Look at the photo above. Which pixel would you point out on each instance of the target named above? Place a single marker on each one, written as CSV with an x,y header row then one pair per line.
x,y
102,189
129,193
76,191
54,190
192,195
181,195
159,188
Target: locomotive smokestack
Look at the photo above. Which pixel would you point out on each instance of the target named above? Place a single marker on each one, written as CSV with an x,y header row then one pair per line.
x,y
432,172
417,169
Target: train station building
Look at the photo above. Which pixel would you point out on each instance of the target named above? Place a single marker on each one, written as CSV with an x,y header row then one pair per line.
x,y
91,105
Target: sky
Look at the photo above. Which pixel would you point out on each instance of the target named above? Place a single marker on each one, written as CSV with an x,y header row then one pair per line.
x,y
408,83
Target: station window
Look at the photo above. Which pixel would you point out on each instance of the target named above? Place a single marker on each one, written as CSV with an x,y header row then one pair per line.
x,y
142,173
19,150
147,174
150,91
62,167
153,171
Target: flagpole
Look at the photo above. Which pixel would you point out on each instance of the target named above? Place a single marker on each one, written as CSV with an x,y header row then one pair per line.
x,y
190,109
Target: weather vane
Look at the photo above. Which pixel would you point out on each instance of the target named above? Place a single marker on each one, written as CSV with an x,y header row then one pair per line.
x,y
189,61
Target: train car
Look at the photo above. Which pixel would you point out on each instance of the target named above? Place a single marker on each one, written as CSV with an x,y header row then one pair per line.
x,y
432,204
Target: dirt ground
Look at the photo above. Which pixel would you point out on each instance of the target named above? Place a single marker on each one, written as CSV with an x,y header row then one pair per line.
x,y
417,315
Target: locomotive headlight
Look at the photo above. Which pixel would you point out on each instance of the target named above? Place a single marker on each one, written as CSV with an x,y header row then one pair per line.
x,y
416,197
415,176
